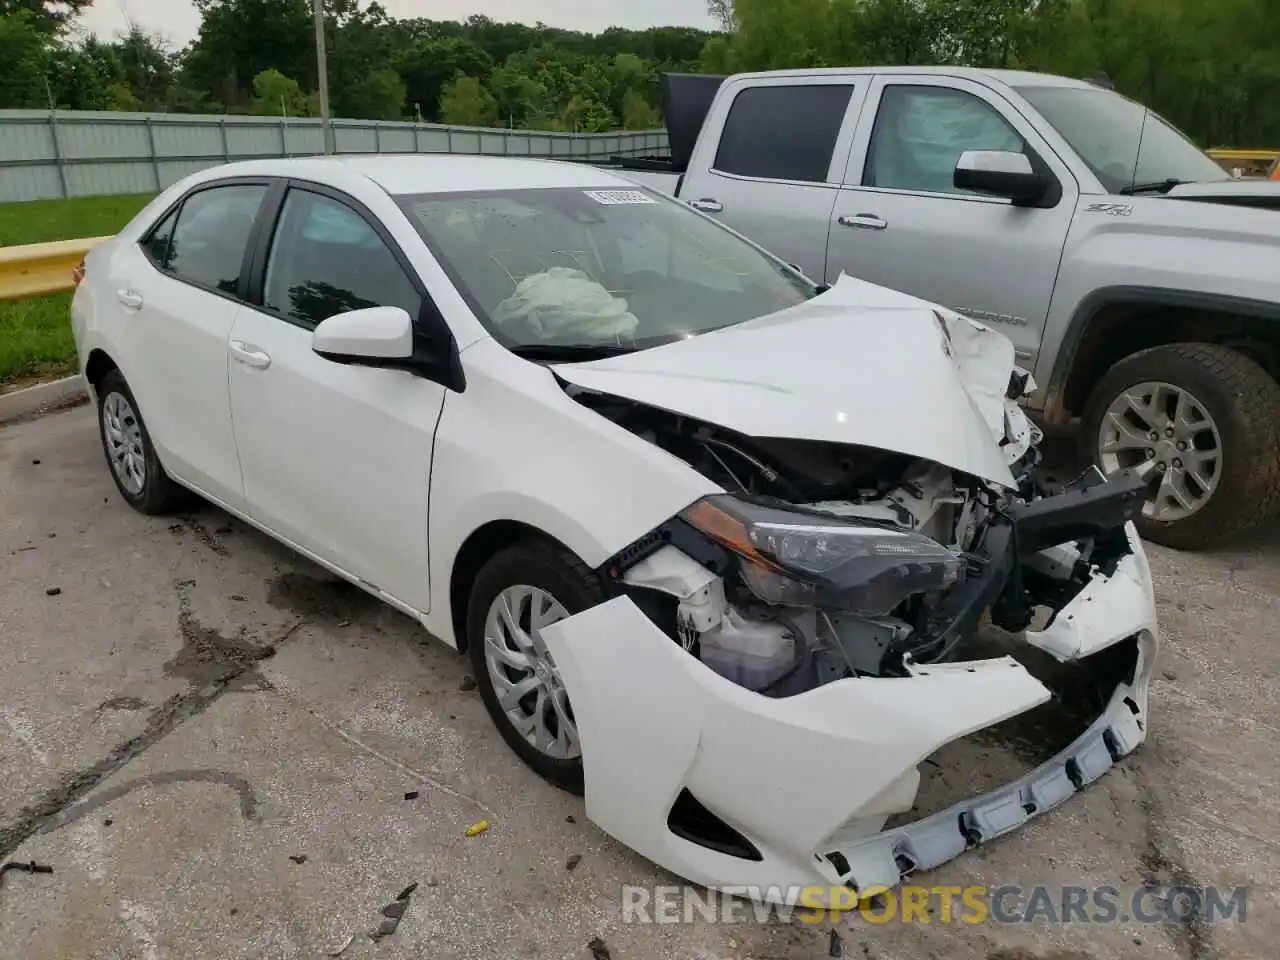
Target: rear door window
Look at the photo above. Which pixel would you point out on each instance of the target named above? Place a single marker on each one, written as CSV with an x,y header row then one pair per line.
x,y
785,132
211,235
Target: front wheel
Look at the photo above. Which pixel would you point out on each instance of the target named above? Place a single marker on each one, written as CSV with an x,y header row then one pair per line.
x,y
522,590
1201,424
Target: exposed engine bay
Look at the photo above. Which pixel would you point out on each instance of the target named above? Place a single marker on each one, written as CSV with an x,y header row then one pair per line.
x,y
875,571
825,561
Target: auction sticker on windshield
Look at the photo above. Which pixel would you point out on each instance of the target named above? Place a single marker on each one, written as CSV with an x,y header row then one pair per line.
x,y
612,197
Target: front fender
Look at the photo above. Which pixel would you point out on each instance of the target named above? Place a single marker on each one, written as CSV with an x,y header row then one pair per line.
x,y
1162,251
514,446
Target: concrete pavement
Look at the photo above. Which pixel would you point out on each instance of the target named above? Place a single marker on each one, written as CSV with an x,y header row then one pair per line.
x,y
224,753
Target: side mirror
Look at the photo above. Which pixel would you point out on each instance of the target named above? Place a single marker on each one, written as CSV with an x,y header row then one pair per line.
x,y
373,334
1002,173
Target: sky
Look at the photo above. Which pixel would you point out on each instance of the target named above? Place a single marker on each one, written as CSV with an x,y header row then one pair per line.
x,y
177,22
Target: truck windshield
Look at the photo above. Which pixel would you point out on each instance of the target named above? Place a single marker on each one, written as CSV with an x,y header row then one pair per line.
x,y
1121,141
568,271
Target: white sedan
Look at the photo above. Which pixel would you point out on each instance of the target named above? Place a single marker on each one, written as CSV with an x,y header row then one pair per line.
x,y
717,541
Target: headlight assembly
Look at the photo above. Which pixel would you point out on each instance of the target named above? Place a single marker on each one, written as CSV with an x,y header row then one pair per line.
x,y
800,559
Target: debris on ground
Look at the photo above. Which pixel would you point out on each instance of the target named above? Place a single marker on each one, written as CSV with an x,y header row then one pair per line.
x,y
299,859
238,597
52,591
29,867
573,861
395,909
837,945
343,949
411,795
392,914
467,685
599,949
477,828
570,819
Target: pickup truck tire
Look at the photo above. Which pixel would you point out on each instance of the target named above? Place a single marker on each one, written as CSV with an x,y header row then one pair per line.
x,y
1243,403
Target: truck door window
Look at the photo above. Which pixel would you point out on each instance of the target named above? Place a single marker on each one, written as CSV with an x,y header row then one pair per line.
x,y
920,133
783,132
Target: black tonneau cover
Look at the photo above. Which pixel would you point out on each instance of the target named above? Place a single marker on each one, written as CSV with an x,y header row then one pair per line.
x,y
686,99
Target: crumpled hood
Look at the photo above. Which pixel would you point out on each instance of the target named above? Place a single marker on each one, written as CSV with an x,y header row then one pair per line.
x,y
859,364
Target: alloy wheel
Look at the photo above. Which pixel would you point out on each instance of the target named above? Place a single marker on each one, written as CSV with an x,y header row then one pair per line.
x,y
525,679
1163,434
123,435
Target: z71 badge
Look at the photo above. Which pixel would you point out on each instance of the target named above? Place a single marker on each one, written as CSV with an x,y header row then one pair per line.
x,y
1111,209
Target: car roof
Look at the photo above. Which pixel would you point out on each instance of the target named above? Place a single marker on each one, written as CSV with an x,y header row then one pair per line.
x,y
401,174
1012,78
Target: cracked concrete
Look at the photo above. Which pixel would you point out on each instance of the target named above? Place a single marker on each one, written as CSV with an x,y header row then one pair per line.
x,y
212,743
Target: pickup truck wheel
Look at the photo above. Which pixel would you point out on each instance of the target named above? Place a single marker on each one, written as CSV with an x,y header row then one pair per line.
x,y
1201,423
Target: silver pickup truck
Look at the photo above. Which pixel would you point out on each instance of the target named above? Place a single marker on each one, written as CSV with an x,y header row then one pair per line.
x,y
1139,282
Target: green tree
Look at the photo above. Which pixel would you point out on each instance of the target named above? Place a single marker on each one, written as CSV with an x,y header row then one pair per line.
x,y
24,59
276,95
47,16
239,39
466,102
88,76
638,113
432,63
378,96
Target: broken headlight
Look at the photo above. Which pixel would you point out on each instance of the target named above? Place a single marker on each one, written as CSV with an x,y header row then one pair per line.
x,y
800,559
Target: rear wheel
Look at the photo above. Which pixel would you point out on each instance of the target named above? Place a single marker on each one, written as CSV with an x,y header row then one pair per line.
x,y
135,467
1201,424
518,593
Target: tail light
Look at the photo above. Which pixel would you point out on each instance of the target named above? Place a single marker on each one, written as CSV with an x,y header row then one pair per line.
x,y
77,275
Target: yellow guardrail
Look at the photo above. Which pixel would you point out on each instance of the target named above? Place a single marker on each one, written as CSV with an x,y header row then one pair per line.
x,y
1250,163
37,269
1224,153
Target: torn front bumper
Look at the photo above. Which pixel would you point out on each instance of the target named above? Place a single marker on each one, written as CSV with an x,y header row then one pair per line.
x,y
728,788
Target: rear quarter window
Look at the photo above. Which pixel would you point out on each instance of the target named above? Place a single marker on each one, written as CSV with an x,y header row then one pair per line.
x,y
784,132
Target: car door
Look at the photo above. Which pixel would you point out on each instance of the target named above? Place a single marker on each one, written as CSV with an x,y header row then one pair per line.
x,y
180,290
900,222
770,160
336,456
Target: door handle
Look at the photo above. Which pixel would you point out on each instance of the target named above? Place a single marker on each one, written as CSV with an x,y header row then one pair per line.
x,y
864,221
707,205
250,355
130,299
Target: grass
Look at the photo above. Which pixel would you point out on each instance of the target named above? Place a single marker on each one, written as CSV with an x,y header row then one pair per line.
x,y
35,335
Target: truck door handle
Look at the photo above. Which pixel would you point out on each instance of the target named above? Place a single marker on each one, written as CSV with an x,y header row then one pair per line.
x,y
707,205
130,299
250,355
864,221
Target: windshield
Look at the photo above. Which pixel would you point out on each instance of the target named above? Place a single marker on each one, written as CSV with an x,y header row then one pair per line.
x,y
1109,133
615,270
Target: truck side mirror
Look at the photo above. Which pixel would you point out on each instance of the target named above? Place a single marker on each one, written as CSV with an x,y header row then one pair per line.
x,y
1002,173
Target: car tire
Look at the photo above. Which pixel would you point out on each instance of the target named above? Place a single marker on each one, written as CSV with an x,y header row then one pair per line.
x,y
131,456
1239,401
548,571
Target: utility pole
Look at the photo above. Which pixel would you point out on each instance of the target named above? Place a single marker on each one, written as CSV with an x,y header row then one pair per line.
x,y
322,70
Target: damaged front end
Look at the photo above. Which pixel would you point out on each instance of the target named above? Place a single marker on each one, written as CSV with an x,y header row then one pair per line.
x,y
779,662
